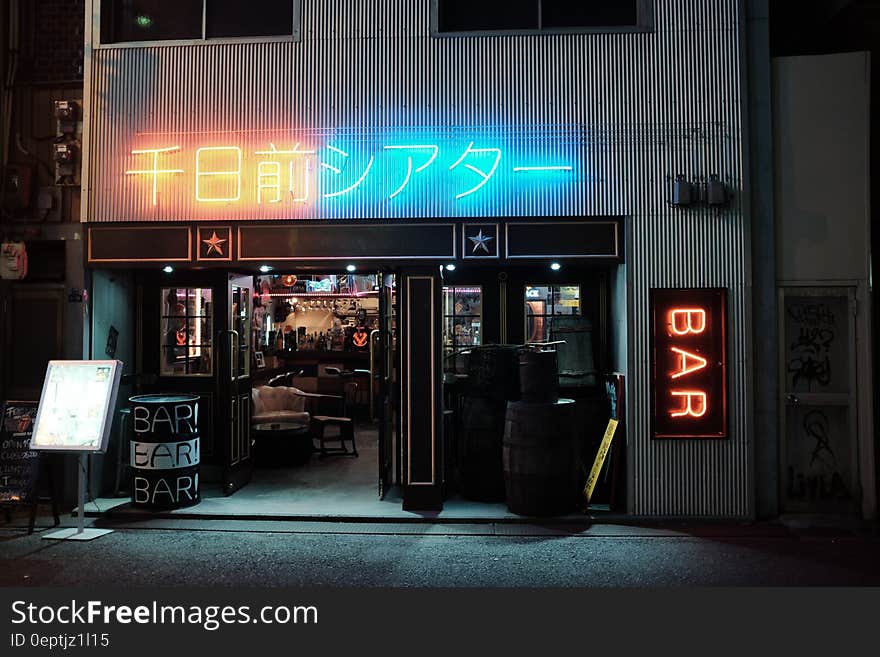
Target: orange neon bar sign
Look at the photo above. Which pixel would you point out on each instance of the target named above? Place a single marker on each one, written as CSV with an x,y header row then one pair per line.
x,y
689,363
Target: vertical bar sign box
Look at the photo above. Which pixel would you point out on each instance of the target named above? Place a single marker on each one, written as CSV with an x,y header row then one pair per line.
x,y
689,363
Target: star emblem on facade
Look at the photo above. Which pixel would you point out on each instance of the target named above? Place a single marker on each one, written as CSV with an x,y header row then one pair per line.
x,y
479,241
214,243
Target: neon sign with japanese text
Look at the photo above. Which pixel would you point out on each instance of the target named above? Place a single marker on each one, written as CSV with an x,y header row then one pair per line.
x,y
291,175
689,362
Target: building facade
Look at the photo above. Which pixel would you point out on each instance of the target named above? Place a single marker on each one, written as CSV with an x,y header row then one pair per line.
x,y
404,137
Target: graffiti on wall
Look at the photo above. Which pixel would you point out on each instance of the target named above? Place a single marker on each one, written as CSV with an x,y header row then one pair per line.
x,y
818,468
816,358
818,471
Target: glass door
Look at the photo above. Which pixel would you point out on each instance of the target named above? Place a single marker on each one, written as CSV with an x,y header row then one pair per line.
x,y
235,381
386,382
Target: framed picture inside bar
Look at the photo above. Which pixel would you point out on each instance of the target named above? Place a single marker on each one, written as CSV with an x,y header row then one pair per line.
x,y
689,363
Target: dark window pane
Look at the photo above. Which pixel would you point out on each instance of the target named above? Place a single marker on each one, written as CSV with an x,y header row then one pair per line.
x,y
238,18
596,13
469,15
150,20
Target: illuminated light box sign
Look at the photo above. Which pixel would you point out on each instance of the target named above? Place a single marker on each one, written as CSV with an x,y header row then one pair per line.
x,y
689,363
292,174
76,405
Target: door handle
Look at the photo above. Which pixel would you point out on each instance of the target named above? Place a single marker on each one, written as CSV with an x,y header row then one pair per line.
x,y
235,348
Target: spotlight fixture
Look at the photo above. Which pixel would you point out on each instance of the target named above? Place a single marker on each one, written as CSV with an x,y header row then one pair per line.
x,y
450,267
265,269
350,268
168,269
555,266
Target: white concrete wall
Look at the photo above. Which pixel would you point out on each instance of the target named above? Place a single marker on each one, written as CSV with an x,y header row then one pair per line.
x,y
822,206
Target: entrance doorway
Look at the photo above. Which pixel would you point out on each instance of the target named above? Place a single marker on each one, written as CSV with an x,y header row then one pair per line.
x,y
342,393
324,421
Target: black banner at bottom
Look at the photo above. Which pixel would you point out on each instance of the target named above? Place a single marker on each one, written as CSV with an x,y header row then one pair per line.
x,y
218,621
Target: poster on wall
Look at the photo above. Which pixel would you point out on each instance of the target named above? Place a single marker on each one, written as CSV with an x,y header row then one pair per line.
x,y
76,405
689,363
19,464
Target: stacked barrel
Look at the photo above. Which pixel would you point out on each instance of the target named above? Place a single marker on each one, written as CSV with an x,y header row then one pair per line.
x,y
493,380
540,443
165,451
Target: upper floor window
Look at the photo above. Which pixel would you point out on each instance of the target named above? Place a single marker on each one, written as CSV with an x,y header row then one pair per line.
x,y
453,16
161,20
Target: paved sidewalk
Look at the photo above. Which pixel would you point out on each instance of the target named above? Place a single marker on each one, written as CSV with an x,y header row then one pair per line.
x,y
190,552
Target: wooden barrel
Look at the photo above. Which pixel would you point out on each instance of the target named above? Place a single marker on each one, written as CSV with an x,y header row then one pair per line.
x,y
165,451
493,372
538,375
539,457
481,473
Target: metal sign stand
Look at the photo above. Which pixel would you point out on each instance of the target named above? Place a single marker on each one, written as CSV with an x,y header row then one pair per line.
x,y
79,533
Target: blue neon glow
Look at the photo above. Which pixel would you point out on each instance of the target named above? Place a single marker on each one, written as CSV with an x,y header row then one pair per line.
x,y
485,176
385,171
435,150
355,184
553,168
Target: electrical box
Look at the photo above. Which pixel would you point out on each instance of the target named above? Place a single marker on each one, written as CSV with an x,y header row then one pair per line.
x,y
682,191
716,192
67,117
49,203
66,157
66,147
17,188
66,110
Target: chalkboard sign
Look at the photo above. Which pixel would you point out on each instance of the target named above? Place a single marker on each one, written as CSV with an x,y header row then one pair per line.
x,y
19,465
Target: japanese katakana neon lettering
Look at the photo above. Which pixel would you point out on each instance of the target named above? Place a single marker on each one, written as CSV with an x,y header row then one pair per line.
x,y
338,171
434,151
485,176
261,171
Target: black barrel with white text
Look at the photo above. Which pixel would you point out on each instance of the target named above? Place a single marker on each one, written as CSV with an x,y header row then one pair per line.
x,y
165,451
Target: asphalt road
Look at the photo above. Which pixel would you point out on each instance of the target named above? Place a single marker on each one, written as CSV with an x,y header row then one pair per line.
x,y
339,555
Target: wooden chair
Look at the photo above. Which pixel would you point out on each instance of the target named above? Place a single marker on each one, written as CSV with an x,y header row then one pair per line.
x,y
330,411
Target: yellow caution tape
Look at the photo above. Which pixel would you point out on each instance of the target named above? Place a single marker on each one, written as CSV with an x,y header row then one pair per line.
x,y
600,459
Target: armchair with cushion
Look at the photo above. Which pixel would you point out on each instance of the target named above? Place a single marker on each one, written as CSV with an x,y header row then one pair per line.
x,y
278,404
286,404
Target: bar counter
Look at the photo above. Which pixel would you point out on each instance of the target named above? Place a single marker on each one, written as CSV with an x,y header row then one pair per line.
x,y
314,364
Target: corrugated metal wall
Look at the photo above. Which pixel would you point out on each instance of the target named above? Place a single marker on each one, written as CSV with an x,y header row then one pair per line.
x,y
641,108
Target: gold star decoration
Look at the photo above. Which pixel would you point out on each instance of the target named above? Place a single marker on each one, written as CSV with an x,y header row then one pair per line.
x,y
214,244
